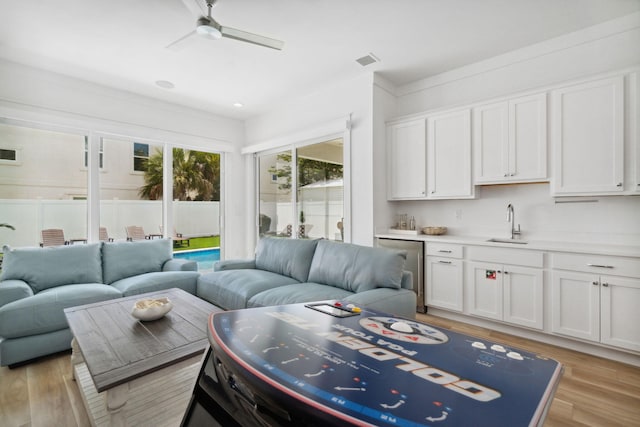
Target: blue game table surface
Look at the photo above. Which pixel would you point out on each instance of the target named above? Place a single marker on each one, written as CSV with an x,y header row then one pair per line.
x,y
371,368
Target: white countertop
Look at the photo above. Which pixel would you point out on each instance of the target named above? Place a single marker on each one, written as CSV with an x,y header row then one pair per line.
x,y
538,245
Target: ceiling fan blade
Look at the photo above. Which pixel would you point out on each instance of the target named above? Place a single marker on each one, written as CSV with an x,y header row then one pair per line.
x,y
196,7
244,36
175,45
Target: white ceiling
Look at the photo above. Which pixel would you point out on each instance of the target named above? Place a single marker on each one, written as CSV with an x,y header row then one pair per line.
x,y
121,43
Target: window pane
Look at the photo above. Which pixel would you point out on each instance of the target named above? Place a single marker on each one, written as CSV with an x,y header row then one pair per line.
x,y
196,206
46,189
275,213
129,199
140,156
7,154
320,190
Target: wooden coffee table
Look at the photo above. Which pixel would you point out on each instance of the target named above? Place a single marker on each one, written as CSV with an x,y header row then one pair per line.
x,y
138,373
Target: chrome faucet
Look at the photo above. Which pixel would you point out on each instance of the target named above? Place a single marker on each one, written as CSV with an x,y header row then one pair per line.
x,y
511,217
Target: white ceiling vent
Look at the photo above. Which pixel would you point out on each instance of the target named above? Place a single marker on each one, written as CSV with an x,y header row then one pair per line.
x,y
367,59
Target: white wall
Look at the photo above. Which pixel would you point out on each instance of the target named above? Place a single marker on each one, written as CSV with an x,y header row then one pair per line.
x,y
314,110
42,97
608,47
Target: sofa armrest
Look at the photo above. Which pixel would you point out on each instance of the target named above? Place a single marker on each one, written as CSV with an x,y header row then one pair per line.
x,y
176,264
407,280
235,264
13,290
398,302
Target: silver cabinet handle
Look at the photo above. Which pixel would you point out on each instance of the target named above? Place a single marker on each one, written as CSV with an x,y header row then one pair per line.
x,y
444,251
619,184
594,283
444,262
600,266
605,284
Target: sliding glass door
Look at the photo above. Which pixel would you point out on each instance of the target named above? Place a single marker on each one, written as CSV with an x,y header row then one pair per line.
x,y
43,184
275,212
301,191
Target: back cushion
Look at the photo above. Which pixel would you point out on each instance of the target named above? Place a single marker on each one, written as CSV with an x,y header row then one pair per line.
x,y
44,268
126,259
289,257
357,268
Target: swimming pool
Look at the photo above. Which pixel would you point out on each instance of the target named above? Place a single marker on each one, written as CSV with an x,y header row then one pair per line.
x,y
204,257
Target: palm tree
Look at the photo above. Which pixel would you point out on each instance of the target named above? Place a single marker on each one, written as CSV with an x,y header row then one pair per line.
x,y
196,176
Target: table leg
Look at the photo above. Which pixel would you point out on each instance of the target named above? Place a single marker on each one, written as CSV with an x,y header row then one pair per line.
x,y
76,357
116,399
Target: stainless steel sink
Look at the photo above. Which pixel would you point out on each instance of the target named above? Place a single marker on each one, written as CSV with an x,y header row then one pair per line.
x,y
513,241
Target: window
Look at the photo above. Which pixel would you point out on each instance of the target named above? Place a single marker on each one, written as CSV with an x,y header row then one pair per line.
x,y
86,153
8,155
140,156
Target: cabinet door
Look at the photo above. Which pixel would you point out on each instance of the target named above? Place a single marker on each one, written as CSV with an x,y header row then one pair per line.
x,y
575,305
449,155
620,311
523,296
485,290
444,283
528,139
588,138
407,160
491,143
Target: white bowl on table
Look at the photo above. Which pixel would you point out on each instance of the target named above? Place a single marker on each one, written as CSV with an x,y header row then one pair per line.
x,y
151,308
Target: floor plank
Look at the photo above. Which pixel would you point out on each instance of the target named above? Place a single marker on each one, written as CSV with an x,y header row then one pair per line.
x,y
14,398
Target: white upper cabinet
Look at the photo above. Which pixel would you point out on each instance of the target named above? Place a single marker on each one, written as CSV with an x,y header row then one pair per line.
x,y
406,175
449,155
588,138
510,141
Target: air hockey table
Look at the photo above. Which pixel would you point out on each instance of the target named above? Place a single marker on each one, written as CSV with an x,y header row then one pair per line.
x,y
333,364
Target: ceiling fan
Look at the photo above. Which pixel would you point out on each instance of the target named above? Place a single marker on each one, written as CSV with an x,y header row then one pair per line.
x,y
209,28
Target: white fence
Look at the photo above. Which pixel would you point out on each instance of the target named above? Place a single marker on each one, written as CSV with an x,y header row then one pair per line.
x,y
29,217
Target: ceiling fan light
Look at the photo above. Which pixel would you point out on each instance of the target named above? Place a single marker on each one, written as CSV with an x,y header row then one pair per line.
x,y
205,29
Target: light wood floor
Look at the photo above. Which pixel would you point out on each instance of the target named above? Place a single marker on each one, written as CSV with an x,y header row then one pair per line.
x,y
593,391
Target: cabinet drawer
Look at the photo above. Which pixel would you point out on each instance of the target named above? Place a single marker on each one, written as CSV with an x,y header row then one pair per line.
x,y
598,264
506,256
444,250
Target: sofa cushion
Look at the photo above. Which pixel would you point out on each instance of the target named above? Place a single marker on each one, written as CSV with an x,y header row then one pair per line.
x,y
356,268
232,289
289,257
300,292
44,268
44,312
126,259
149,282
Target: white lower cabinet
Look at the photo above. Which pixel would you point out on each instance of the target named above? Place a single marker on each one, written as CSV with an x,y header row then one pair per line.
x,y
509,293
444,275
597,307
444,283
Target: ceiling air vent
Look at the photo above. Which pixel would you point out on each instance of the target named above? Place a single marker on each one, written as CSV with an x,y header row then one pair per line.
x,y
367,59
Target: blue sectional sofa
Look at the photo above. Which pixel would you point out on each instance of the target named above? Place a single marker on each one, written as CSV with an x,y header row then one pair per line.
x,y
288,271
37,284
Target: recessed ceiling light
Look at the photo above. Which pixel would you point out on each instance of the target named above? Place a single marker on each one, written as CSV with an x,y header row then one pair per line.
x,y
165,84
238,104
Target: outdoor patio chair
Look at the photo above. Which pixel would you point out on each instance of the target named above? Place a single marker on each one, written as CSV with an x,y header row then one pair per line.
x,y
104,235
178,239
135,232
53,237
